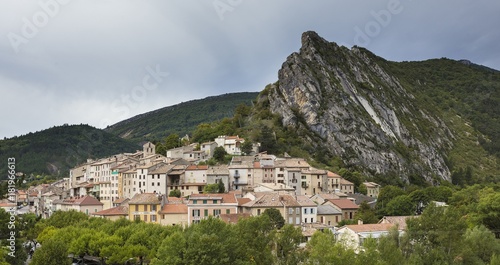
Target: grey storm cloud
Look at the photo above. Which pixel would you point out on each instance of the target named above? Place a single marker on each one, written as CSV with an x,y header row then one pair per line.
x,y
90,61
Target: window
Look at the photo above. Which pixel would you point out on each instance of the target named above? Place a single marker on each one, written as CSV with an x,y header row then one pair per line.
x,y
228,211
303,177
290,220
196,212
205,212
87,211
312,210
153,218
258,211
204,201
136,208
297,220
137,217
195,202
153,184
312,220
145,218
95,210
305,210
216,212
153,207
305,220
290,210
214,201
158,183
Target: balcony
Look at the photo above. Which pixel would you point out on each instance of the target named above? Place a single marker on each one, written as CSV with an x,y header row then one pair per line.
x,y
236,174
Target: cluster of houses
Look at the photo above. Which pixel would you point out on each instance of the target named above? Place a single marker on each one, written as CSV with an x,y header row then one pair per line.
x,y
137,185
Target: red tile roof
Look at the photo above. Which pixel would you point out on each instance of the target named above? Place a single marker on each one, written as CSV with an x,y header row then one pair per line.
x,y
174,209
344,203
197,167
242,201
119,210
233,218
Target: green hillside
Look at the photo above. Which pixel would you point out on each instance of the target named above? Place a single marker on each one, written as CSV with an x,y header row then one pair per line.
x,y
180,119
55,150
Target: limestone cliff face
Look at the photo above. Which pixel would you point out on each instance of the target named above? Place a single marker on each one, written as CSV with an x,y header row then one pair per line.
x,y
358,111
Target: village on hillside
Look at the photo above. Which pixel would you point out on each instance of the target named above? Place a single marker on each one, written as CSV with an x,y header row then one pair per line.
x,y
172,190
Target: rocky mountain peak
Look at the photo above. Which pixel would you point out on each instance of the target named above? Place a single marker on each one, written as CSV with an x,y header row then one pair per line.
x,y
357,111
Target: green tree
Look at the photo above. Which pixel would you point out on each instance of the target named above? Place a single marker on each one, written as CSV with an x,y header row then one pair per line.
x,y
172,141
220,187
275,217
255,236
52,251
386,194
287,241
388,247
366,214
400,206
323,249
172,250
435,237
175,193
247,147
480,245
211,188
219,153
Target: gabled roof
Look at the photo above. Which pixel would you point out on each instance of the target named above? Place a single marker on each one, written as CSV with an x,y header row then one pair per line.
x,y
121,200
174,209
360,198
371,184
145,198
118,210
83,201
273,200
242,201
369,227
344,204
344,181
333,175
305,201
328,210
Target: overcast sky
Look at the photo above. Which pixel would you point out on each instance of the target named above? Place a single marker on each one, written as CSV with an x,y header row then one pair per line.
x,y
102,61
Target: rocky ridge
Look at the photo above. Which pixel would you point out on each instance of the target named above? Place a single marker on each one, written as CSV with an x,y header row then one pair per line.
x,y
358,111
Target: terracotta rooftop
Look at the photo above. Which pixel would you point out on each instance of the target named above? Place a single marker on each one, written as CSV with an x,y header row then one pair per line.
x,y
85,200
344,204
242,201
369,227
118,210
174,209
333,175
197,167
233,218
273,200
145,198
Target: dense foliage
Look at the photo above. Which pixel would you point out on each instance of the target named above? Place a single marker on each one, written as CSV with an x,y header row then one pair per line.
x,y
180,119
55,150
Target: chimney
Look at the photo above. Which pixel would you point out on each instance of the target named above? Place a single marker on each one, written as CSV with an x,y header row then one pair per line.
x,y
360,222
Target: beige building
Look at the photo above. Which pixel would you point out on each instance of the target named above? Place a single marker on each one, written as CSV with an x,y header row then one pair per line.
x,y
353,236
288,206
346,206
329,215
372,189
201,206
85,204
145,207
174,214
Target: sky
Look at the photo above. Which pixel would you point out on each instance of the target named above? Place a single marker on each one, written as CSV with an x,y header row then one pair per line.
x,y
98,62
